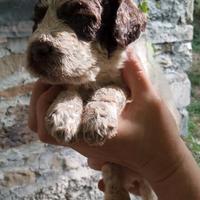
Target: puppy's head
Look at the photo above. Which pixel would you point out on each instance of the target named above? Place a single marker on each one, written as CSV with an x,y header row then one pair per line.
x,y
70,36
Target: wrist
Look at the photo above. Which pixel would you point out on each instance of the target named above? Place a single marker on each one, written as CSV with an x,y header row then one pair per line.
x,y
166,161
181,181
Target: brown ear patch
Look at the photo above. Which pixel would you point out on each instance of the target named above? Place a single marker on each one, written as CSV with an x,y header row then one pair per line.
x,y
122,23
39,13
83,16
129,24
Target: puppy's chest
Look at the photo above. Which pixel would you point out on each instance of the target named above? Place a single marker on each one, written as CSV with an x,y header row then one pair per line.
x,y
109,74
87,91
103,80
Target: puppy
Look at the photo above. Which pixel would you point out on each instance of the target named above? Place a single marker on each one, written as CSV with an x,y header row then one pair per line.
x,y
80,45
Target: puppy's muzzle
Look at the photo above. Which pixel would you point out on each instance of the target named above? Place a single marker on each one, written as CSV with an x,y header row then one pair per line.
x,y
40,51
43,58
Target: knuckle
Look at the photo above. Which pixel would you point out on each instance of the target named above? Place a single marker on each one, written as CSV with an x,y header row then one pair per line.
x,y
32,124
32,127
41,102
157,101
153,99
42,137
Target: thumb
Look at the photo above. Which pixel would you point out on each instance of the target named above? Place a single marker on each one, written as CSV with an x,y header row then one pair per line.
x,y
101,185
43,105
135,76
45,100
38,90
95,164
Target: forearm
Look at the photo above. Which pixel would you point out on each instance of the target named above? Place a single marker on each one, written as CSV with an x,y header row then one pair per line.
x,y
183,183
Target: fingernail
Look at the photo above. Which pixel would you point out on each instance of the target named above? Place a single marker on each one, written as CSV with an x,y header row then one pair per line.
x,y
101,185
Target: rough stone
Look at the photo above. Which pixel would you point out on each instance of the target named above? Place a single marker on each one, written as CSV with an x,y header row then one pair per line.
x,y
17,46
13,24
169,33
12,71
10,64
18,178
180,87
175,56
14,130
30,170
189,11
3,40
4,52
22,29
16,91
69,181
175,12
184,121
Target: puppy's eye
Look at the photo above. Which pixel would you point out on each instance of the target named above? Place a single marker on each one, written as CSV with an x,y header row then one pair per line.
x,y
71,9
39,13
80,18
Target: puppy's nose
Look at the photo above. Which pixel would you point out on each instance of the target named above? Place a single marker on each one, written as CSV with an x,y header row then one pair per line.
x,y
41,50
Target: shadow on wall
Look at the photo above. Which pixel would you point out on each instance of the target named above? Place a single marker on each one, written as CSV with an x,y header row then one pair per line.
x,y
18,11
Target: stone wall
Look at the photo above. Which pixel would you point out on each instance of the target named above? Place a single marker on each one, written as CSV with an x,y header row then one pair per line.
x,y
171,32
30,170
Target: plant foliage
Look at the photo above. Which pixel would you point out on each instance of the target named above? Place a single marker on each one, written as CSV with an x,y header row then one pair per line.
x,y
196,41
143,6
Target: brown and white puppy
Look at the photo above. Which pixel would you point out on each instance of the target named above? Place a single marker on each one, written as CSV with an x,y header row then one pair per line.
x,y
80,44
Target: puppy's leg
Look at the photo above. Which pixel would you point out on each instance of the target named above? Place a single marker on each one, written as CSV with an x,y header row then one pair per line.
x,y
114,189
100,117
63,118
146,191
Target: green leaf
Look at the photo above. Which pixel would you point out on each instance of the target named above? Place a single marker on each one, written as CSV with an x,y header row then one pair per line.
x,y
143,6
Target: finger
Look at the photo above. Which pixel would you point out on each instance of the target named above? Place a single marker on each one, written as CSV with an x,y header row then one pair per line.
x,y
38,90
135,76
94,164
101,185
134,188
43,104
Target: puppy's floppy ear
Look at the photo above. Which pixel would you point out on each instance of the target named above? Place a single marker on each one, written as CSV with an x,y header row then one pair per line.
x,y
129,23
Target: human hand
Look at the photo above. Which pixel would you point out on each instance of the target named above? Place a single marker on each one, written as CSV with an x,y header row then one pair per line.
x,y
147,140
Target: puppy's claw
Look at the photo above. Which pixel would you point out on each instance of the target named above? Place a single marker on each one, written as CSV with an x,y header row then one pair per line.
x,y
61,130
63,136
94,138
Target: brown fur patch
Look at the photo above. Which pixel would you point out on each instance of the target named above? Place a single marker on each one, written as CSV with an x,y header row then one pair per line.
x,y
83,16
129,24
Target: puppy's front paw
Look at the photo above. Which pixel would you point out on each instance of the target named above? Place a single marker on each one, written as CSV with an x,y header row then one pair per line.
x,y
58,126
63,118
99,122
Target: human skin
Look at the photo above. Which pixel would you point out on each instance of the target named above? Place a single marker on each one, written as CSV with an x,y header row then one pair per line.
x,y
147,143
